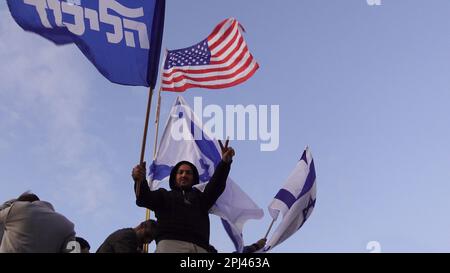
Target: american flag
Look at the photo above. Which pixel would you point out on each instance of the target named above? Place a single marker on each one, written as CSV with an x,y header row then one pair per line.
x,y
222,60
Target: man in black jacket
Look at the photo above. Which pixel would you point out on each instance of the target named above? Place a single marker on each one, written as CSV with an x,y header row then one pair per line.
x,y
182,213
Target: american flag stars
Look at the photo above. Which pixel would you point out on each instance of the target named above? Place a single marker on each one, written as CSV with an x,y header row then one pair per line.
x,y
192,56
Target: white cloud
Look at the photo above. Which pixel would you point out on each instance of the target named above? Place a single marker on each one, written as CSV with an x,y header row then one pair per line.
x,y
42,92
91,184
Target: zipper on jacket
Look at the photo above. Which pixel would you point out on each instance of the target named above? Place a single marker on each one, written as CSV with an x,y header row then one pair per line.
x,y
186,201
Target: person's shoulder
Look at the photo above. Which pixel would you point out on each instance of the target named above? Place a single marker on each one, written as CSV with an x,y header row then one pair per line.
x,y
123,231
7,204
34,206
121,234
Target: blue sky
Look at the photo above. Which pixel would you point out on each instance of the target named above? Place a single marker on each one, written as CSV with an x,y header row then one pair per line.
x,y
366,87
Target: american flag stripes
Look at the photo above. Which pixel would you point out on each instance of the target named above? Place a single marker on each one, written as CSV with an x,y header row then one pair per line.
x,y
222,60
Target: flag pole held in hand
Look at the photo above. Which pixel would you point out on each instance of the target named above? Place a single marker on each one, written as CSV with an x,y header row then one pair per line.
x,y
144,139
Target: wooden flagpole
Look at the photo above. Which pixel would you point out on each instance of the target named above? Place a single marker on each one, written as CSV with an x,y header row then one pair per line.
x,y
158,110
144,138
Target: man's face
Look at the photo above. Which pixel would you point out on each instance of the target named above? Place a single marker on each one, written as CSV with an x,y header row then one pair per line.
x,y
184,177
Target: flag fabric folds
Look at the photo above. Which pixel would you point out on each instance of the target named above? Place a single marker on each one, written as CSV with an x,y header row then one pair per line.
x,y
295,200
122,38
220,61
184,139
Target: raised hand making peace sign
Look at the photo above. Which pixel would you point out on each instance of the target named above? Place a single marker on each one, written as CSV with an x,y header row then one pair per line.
x,y
227,152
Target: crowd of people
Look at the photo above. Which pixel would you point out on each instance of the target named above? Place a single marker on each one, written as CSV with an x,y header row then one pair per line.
x,y
30,225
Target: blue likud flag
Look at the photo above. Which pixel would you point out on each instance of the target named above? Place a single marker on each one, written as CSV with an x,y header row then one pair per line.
x,y
122,38
184,139
295,200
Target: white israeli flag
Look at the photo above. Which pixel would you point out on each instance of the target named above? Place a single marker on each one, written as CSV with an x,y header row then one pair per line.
x,y
295,200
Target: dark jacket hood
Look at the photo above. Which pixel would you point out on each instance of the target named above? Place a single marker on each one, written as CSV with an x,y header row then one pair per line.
x,y
173,173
